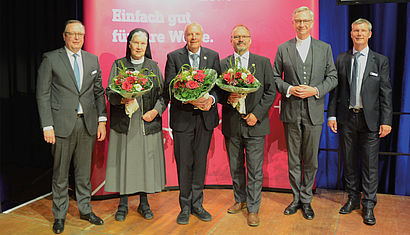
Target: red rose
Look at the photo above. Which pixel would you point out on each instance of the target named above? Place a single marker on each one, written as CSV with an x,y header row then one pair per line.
x,y
199,77
238,74
143,81
128,72
192,84
126,86
250,78
227,77
130,79
118,82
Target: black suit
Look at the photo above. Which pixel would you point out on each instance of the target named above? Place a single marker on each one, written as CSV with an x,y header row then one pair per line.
x,y
359,132
192,129
240,137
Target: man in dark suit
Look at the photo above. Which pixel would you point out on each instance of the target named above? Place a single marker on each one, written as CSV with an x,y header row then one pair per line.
x,y
361,109
309,73
192,124
245,129
72,110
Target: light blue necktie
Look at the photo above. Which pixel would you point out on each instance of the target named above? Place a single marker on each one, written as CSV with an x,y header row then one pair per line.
x,y
355,79
195,61
77,71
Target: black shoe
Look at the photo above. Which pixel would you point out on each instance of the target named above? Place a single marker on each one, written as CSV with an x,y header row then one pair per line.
x,y
183,217
92,218
58,226
202,214
368,216
292,208
307,211
121,213
146,213
349,207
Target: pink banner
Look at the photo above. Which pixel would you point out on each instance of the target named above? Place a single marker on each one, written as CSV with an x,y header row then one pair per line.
x,y
108,22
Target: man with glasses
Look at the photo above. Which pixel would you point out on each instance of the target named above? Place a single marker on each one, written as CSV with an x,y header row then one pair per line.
x,y
71,105
245,128
309,73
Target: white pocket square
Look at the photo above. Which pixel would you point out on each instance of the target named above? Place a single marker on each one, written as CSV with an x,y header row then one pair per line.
x,y
374,74
95,71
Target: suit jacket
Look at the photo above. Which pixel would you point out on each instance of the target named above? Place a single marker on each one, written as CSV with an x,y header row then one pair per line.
x,y
323,77
258,102
375,91
119,120
182,115
58,95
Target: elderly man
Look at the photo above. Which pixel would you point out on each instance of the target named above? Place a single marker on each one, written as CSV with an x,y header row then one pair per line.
x,y
72,110
361,109
192,124
245,133
308,74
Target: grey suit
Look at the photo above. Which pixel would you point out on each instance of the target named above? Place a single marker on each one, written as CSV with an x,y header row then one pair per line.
x,y
303,118
58,97
240,137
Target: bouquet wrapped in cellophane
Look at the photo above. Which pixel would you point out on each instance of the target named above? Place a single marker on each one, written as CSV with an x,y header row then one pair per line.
x,y
239,80
191,84
132,84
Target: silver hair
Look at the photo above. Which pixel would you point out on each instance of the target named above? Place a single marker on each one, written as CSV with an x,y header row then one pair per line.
x,y
363,21
192,24
300,9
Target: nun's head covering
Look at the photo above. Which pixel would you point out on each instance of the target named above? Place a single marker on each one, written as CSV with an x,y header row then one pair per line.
x,y
129,38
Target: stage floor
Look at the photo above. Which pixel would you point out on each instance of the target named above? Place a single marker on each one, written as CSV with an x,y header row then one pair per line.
x,y
392,216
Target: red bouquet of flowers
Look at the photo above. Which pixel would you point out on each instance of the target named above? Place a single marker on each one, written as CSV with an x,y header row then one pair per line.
x,y
191,84
131,84
238,80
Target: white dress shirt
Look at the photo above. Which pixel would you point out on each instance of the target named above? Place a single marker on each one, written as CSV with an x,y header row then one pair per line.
x,y
243,59
302,46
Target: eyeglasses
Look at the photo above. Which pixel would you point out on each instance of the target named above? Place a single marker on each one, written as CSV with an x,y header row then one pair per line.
x,y
302,21
71,34
236,37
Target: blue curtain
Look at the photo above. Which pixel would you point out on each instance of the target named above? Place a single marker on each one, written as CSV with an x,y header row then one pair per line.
x,y
332,29
402,180
391,34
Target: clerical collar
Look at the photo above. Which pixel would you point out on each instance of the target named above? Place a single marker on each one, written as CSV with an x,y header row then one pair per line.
x,y
140,61
300,41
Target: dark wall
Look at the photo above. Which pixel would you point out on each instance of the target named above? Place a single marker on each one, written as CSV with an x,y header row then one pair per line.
x,y
28,29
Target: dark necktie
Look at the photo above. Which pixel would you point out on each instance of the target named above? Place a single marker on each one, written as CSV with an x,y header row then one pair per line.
x,y
355,79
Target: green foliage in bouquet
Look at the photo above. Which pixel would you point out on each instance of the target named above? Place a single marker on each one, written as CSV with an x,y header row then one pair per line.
x,y
190,84
131,84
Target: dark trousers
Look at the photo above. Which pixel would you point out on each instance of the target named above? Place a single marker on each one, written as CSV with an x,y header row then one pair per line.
x,y
302,139
79,146
360,144
252,147
191,150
